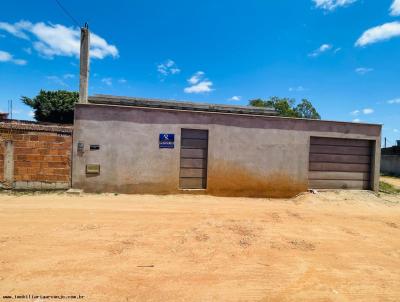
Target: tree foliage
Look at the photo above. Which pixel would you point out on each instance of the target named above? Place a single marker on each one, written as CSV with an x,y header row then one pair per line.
x,y
306,110
53,106
288,108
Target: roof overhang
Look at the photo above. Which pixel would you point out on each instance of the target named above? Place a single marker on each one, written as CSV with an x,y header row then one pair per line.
x,y
178,105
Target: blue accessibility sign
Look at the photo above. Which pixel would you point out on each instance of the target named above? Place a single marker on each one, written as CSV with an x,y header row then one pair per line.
x,y
166,141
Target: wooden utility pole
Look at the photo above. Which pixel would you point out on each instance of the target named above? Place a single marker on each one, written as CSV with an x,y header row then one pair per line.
x,y
84,65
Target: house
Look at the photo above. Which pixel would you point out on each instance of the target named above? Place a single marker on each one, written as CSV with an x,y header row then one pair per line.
x,y
136,145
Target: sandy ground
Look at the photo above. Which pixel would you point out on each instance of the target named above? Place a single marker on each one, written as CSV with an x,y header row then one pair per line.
x,y
332,246
394,181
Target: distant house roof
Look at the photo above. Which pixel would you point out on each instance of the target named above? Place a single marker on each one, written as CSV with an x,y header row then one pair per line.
x,y
34,126
179,105
395,150
3,115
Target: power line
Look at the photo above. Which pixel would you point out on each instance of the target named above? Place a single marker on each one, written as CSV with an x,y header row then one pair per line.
x,y
67,13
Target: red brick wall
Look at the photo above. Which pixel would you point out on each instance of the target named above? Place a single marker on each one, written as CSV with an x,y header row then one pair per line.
x,y
41,156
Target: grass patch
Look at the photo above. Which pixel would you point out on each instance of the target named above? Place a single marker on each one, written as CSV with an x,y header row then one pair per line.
x,y
388,188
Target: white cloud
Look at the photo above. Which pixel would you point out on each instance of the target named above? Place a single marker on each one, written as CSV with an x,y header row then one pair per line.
x,y
394,101
122,81
379,33
28,50
356,120
51,40
297,89
68,76
198,83
323,48
362,111
57,80
7,57
204,86
19,61
363,70
235,98
332,4
167,68
99,48
16,29
107,81
175,70
395,8
194,79
31,113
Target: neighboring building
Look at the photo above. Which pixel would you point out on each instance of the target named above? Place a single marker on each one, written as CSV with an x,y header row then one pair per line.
x,y
35,156
390,161
3,116
134,145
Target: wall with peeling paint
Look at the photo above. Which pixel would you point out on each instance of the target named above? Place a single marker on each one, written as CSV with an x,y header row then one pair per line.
x,y
247,155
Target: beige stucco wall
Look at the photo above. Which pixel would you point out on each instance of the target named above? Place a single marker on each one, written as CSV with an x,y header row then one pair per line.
x,y
247,155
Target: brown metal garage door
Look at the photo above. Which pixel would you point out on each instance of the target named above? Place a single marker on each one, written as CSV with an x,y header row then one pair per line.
x,y
340,163
194,149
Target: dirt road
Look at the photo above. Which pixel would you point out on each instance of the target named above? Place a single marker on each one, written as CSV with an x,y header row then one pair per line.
x,y
331,246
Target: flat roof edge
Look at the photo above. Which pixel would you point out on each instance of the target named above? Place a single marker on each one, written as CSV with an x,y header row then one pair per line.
x,y
228,113
179,105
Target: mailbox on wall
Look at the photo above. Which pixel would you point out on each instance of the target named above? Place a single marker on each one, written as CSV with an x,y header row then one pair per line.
x,y
93,169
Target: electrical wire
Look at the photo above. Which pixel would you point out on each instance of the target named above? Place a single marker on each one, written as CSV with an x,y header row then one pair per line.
x,y
67,13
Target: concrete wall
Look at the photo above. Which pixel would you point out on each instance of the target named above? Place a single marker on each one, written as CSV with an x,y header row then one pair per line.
x,y
35,159
390,164
247,156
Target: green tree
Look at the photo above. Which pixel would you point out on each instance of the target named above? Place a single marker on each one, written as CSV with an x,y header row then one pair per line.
x,y
258,103
286,107
306,110
53,106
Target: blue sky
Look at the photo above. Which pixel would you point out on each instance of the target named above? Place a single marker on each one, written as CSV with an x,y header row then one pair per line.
x,y
343,55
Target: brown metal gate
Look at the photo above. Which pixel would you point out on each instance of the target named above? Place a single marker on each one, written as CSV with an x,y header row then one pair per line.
x,y
340,163
194,149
